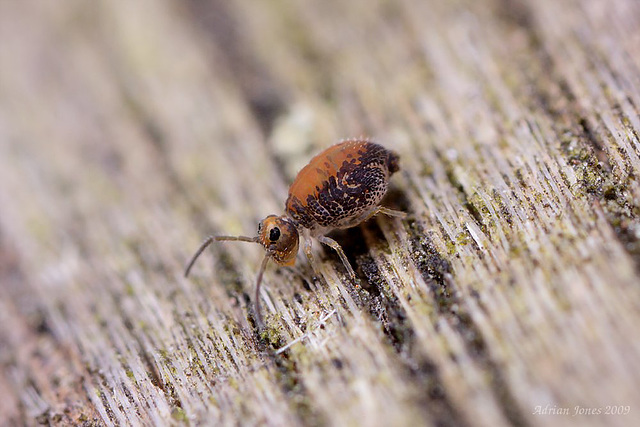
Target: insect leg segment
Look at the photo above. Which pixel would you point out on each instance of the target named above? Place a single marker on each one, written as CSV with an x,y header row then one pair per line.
x,y
389,212
308,244
336,247
385,211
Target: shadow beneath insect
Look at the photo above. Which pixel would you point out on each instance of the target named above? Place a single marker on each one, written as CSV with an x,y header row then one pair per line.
x,y
366,291
396,198
355,248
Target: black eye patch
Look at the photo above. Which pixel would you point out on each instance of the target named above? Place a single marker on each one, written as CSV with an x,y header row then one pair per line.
x,y
274,234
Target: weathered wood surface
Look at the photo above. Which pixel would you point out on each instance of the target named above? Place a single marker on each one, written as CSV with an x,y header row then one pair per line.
x,y
130,130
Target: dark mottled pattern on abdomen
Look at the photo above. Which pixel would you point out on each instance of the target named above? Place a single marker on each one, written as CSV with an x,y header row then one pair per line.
x,y
340,199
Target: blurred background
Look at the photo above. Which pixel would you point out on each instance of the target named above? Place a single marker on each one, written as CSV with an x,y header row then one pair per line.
x,y
129,131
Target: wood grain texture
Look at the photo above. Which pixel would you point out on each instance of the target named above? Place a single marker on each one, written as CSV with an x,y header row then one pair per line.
x,y
131,130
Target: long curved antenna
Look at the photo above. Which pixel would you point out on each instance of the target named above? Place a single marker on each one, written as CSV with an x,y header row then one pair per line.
x,y
208,241
263,266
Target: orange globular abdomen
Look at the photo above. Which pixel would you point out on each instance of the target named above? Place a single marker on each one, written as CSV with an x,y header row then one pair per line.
x,y
312,177
340,184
